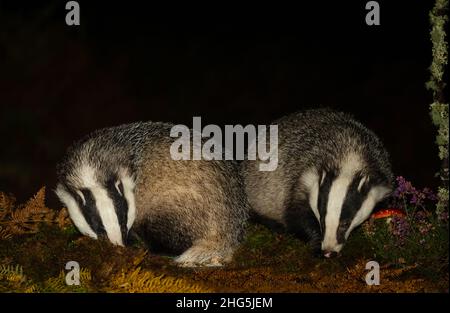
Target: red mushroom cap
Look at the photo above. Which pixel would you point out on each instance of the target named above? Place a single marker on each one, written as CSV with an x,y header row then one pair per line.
x,y
390,212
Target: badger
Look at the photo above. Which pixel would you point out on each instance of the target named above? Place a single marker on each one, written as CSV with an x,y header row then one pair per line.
x,y
121,181
331,173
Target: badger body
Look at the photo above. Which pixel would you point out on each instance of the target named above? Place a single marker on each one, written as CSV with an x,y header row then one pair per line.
x,y
123,179
331,172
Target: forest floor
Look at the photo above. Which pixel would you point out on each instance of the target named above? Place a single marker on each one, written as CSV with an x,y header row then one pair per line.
x,y
35,261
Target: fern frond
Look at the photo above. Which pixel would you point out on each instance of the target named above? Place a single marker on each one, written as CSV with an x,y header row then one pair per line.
x,y
27,218
58,283
6,205
12,279
141,281
5,233
6,201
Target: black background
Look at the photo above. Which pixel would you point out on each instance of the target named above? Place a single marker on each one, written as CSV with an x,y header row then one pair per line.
x,y
280,302
225,62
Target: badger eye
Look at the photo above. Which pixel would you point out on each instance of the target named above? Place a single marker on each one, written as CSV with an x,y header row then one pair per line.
x,y
344,225
119,187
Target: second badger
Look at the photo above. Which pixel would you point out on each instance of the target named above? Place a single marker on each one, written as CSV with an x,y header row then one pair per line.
x,y
123,178
331,173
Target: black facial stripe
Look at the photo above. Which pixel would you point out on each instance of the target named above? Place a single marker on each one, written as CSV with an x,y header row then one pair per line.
x,y
352,203
90,213
88,209
120,206
322,200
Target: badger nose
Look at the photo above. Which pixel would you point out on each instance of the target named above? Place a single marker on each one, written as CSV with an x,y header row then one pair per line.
x,y
330,254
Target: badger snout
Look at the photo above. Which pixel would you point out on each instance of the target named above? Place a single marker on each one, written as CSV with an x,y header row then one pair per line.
x,y
330,254
331,250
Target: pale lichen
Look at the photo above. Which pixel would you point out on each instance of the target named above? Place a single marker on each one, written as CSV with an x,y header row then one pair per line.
x,y
439,107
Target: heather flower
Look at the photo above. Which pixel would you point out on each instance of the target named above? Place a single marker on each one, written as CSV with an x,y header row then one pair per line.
x,y
425,228
400,228
407,193
418,226
417,198
404,187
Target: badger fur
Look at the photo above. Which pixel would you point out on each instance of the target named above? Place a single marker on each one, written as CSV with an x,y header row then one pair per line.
x,y
331,173
123,179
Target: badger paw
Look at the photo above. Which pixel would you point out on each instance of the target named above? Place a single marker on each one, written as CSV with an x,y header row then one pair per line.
x,y
197,256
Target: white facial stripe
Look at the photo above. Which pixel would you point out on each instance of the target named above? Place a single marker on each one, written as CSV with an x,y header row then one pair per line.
x,y
336,199
75,212
351,165
128,190
310,180
108,215
87,177
361,183
375,194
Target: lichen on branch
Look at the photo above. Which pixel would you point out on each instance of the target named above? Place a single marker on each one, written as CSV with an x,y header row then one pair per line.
x,y
439,108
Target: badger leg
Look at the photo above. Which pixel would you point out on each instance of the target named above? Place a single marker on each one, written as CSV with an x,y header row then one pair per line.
x,y
301,222
205,253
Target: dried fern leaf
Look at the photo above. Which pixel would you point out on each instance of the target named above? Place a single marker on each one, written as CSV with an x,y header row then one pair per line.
x,y
12,278
58,284
140,281
27,218
63,219
6,205
5,233
7,201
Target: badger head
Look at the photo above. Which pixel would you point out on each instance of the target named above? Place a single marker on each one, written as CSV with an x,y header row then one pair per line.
x,y
342,198
100,202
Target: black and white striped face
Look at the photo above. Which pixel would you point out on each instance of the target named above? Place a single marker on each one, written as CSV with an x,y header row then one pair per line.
x,y
100,209
341,200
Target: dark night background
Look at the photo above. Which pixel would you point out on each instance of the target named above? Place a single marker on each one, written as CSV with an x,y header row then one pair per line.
x,y
227,63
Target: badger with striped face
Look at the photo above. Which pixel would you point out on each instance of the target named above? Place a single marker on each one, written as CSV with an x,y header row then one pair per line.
x,y
100,206
122,179
331,173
